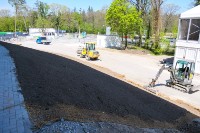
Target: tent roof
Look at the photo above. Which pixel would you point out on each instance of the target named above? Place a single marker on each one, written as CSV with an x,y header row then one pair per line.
x,y
192,13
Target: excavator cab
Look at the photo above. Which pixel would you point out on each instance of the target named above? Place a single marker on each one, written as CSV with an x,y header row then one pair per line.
x,y
184,71
89,51
90,46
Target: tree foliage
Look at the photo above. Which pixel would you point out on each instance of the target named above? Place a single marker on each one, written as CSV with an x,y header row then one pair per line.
x,y
42,9
54,15
126,17
170,17
17,4
123,18
143,6
58,15
196,2
7,24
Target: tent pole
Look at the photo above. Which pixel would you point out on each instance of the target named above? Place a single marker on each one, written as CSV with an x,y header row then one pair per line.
x,y
188,34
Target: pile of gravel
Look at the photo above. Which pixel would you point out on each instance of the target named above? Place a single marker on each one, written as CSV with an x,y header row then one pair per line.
x,y
192,127
97,127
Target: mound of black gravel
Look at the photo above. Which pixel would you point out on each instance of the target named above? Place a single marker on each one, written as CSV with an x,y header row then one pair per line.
x,y
55,87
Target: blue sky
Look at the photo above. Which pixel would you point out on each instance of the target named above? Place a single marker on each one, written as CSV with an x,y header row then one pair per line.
x,y
96,4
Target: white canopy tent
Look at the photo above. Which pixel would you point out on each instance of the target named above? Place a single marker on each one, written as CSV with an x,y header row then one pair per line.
x,y
192,13
188,41
189,25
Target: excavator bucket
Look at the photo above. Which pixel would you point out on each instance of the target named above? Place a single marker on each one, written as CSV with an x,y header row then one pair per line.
x,y
151,85
151,88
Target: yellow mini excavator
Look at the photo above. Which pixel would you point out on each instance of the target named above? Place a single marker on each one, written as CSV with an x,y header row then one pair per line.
x,y
89,51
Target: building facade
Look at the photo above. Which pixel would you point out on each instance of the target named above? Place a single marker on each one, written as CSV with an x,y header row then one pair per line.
x,y
49,32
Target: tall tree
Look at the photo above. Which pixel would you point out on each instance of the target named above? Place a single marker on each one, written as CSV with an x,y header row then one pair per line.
x,y
69,21
23,13
32,17
43,9
143,7
58,14
7,22
170,17
90,17
156,7
123,18
77,20
99,21
16,4
43,12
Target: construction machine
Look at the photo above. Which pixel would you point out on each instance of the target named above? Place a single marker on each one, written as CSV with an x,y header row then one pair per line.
x,y
181,76
43,40
89,51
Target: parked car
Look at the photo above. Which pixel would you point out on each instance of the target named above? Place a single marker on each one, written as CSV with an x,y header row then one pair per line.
x,y
42,40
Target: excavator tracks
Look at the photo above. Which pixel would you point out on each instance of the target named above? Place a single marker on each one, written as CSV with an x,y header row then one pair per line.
x,y
179,89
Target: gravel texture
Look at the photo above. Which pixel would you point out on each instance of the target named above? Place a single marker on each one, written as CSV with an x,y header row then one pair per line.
x,y
97,127
55,87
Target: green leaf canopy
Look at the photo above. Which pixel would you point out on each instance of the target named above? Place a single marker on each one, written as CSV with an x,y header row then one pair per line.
x,y
123,17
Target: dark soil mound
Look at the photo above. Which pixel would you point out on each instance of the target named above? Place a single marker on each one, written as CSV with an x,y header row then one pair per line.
x,y
55,87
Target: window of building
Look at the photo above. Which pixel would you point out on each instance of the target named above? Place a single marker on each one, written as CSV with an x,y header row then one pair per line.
x,y
184,25
194,30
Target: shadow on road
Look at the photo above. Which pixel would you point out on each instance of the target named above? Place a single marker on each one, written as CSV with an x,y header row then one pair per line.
x,y
55,87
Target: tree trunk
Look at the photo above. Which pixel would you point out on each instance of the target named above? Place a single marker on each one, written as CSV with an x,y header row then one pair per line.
x,y
156,8
140,38
25,23
149,30
157,34
122,38
125,41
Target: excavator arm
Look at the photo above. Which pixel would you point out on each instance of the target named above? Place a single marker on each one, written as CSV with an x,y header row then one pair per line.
x,y
164,67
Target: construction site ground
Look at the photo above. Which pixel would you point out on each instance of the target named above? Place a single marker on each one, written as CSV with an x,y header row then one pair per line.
x,y
138,68
56,83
